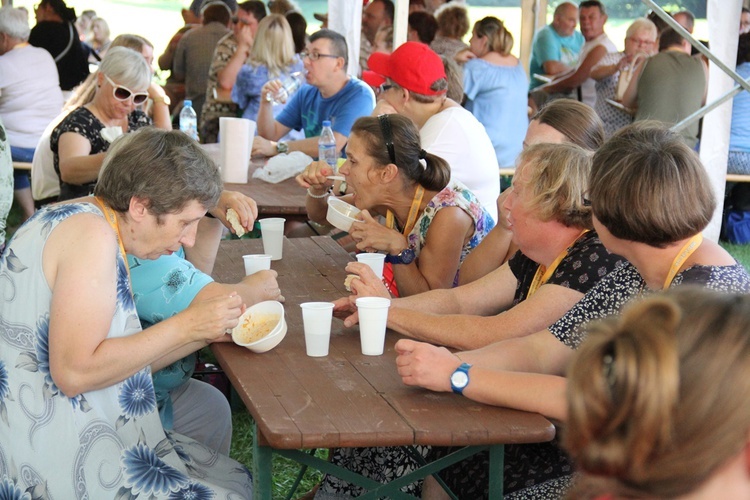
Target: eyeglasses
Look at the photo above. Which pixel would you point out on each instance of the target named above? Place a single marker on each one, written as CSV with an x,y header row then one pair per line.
x,y
385,87
236,20
123,93
314,56
640,42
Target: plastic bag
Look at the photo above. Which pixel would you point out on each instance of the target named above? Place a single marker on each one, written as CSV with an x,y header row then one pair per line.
x,y
283,166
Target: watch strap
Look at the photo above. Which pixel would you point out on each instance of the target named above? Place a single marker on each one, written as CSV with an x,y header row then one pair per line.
x,y
464,368
406,256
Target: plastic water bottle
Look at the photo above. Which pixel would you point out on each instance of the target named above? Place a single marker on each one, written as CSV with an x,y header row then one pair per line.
x,y
289,85
189,120
327,146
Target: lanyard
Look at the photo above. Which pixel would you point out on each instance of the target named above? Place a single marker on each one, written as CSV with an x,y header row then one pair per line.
x,y
390,219
543,274
685,252
111,219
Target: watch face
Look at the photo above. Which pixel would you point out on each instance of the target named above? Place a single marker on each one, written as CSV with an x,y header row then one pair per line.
x,y
459,379
407,256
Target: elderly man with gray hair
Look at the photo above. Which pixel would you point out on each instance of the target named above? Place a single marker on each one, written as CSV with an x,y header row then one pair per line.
x,y
30,95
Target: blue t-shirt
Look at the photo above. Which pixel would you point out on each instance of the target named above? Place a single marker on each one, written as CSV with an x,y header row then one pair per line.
x,y
250,79
739,138
496,96
549,46
307,109
161,289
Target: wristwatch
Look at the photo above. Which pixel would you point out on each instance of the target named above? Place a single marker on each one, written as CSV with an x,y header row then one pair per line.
x,y
166,100
406,256
460,378
282,147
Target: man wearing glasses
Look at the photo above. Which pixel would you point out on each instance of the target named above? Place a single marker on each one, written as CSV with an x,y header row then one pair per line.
x,y
329,94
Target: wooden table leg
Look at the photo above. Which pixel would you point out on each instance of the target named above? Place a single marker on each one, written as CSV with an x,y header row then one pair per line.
x,y
262,468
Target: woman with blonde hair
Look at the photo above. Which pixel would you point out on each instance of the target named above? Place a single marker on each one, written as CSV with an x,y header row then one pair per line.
x,y
657,401
560,121
495,85
272,57
100,41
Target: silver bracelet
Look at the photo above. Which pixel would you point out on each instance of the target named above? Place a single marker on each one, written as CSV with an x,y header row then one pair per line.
x,y
318,196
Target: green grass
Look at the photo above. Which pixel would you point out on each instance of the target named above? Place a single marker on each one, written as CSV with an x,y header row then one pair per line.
x,y
284,471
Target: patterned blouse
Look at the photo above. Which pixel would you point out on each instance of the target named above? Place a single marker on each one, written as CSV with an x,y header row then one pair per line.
x,y
612,293
586,263
212,108
454,194
614,118
83,122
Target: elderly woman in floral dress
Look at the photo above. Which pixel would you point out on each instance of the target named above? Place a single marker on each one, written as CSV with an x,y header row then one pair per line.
x,y
78,413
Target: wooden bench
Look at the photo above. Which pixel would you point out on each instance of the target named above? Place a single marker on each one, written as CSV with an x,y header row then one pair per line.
x,y
21,165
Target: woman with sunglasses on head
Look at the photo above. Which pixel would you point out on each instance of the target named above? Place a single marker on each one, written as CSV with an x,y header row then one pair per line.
x,y
431,222
80,142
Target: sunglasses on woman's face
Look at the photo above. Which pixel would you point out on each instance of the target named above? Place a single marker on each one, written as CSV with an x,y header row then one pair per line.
x,y
123,93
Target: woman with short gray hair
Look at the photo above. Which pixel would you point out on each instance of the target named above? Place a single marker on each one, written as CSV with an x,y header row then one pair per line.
x,y
80,142
76,394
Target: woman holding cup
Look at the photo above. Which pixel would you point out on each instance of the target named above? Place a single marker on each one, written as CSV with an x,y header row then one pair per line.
x,y
431,222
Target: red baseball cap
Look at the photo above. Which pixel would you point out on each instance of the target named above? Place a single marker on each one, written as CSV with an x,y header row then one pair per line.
x,y
373,79
413,66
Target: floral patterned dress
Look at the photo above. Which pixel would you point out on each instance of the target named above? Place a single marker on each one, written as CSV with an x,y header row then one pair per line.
x,y
105,443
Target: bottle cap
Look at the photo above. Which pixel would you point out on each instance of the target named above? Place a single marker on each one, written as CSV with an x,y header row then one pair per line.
x,y
188,102
326,123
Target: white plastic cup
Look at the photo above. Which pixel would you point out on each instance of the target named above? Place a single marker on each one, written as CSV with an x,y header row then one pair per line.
x,y
235,140
373,318
374,260
272,232
316,317
256,262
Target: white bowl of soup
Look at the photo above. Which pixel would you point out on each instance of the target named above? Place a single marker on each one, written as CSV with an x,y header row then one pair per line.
x,y
262,326
341,215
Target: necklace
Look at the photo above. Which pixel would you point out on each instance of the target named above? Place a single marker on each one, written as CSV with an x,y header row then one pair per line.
x,y
111,218
390,219
543,274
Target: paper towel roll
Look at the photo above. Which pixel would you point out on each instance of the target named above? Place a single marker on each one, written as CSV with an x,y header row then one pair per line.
x,y
235,137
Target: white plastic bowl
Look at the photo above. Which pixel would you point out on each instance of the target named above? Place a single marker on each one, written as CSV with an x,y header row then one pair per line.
x,y
340,214
274,337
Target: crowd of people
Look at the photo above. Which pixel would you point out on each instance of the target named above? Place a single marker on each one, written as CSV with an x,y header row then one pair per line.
x,y
554,296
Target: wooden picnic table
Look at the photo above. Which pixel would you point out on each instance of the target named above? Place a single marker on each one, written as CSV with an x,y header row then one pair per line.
x,y
347,399
285,199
